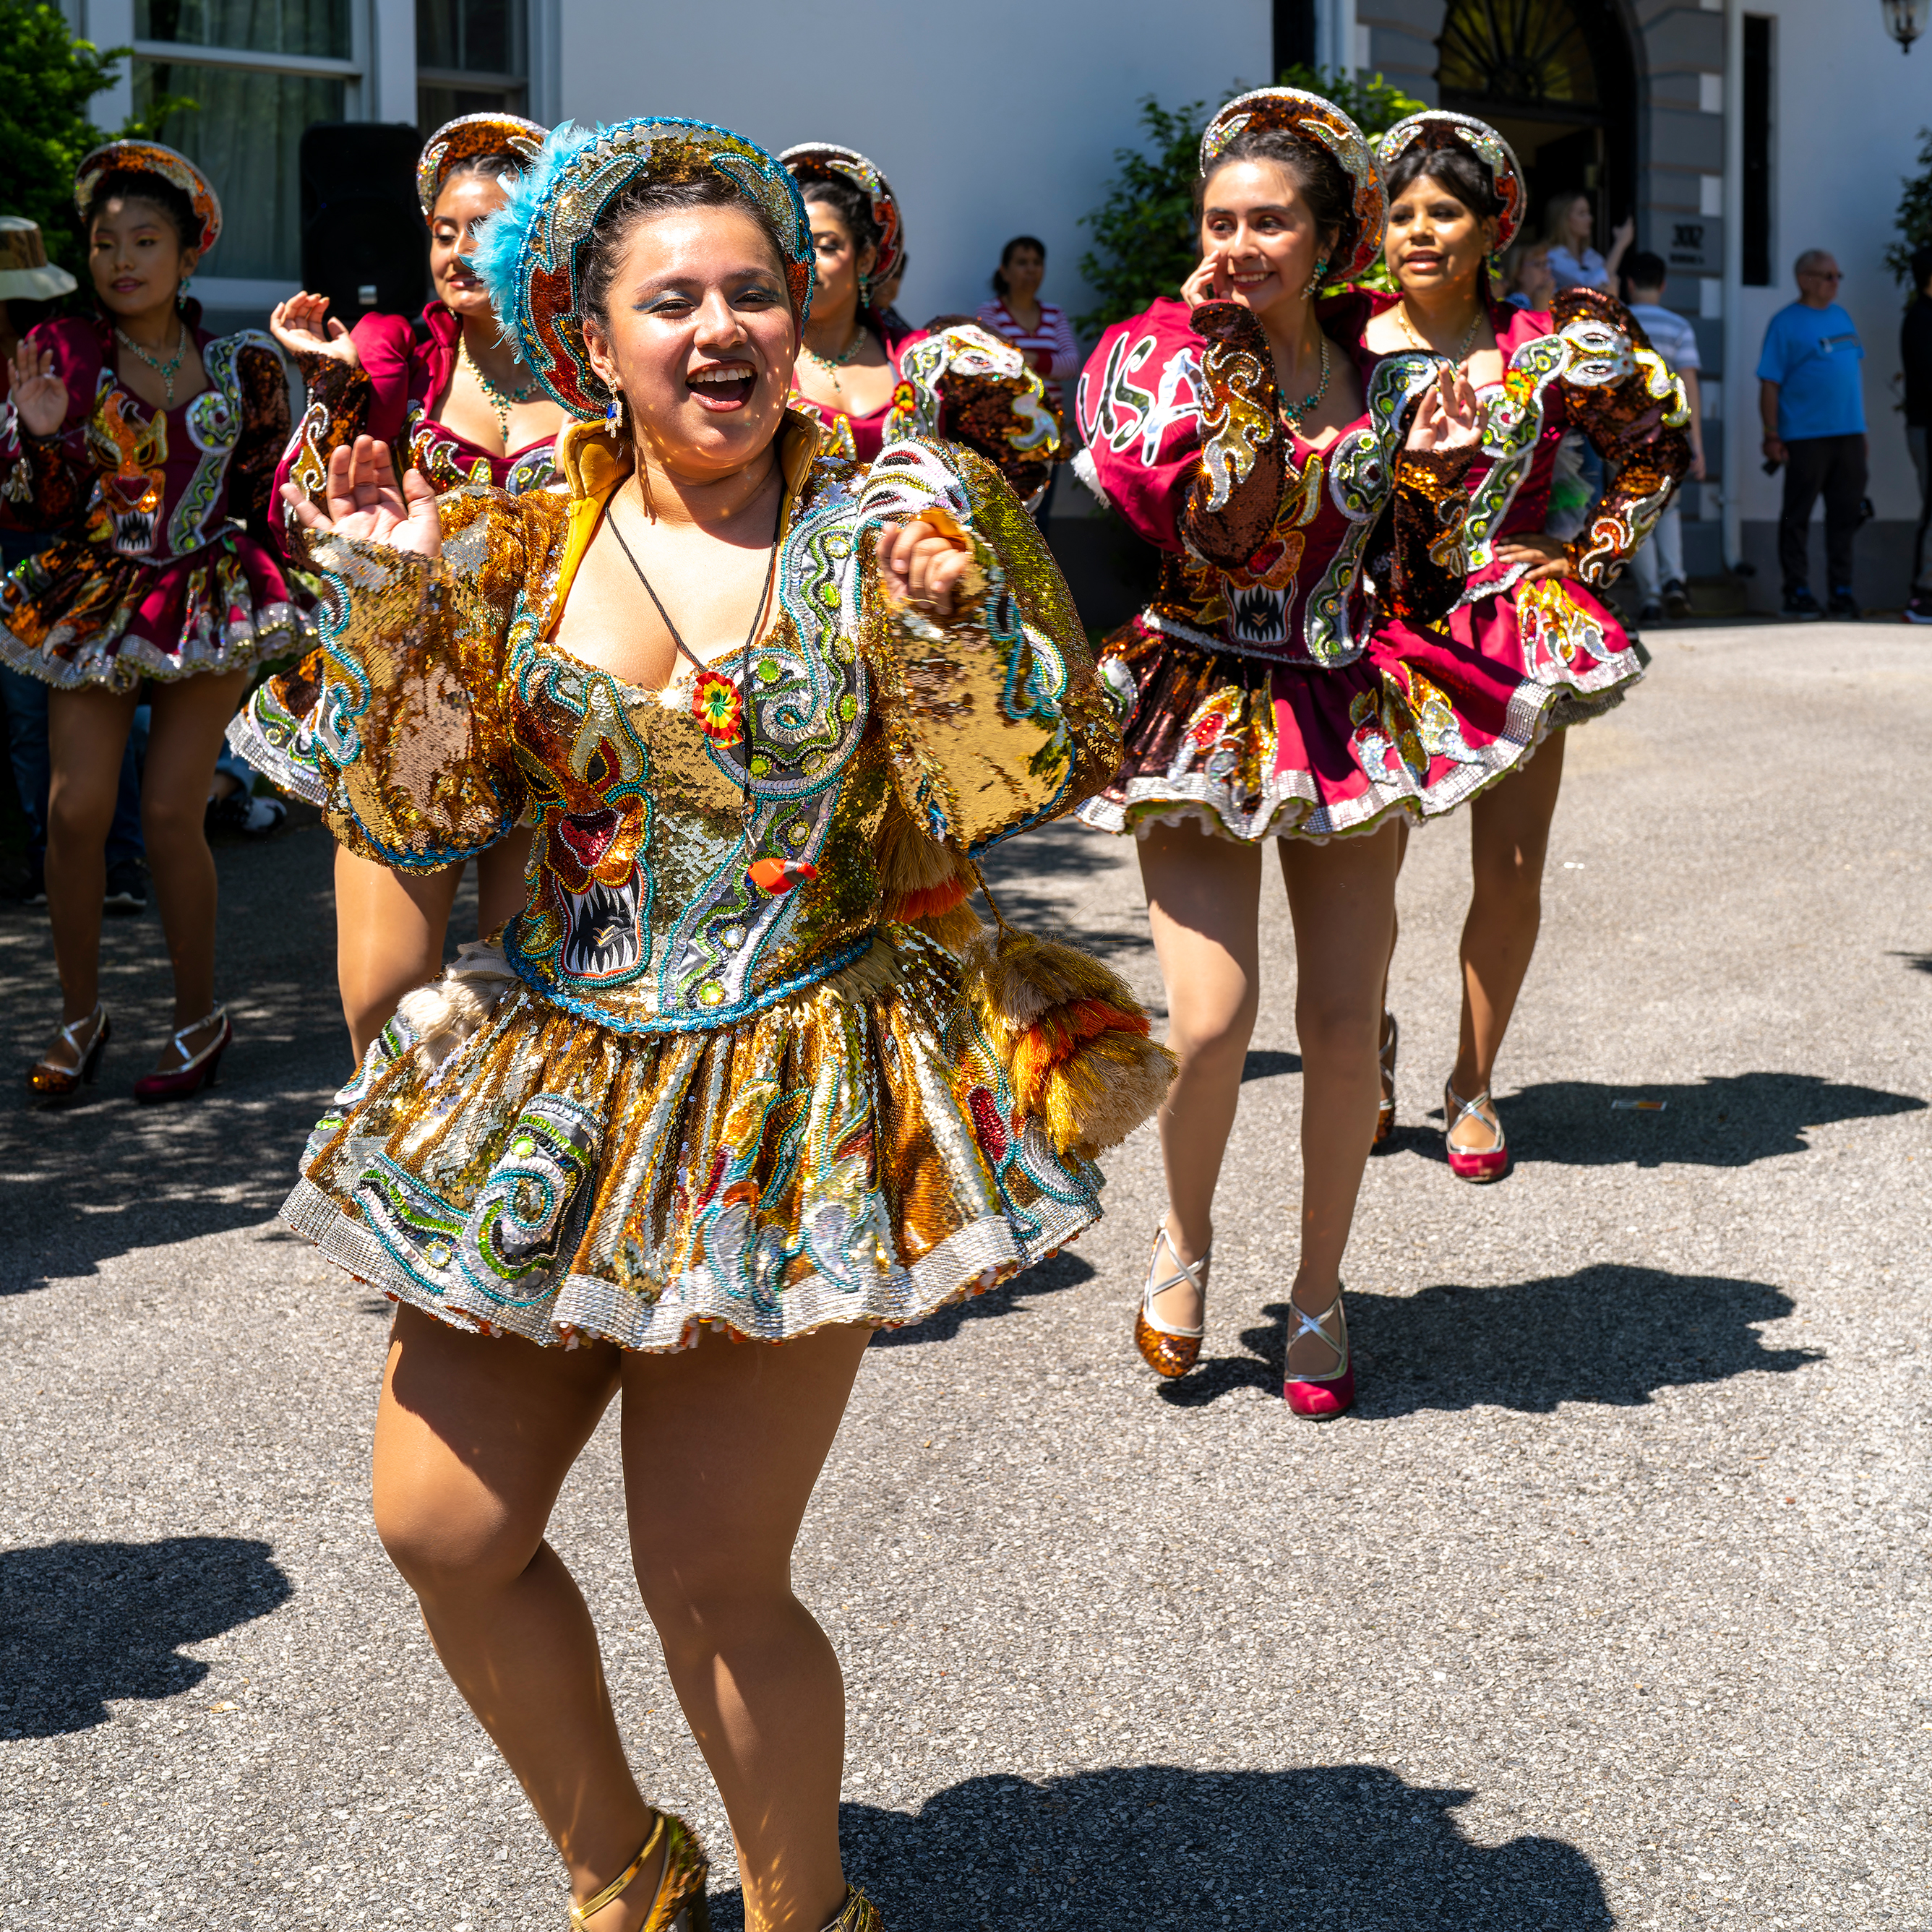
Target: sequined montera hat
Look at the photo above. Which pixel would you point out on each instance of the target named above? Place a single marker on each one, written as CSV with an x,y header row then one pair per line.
x,y
465,138
1289,110
150,158
532,253
1439,128
821,160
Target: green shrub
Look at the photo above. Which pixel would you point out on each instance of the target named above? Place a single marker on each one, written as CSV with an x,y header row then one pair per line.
x,y
1915,212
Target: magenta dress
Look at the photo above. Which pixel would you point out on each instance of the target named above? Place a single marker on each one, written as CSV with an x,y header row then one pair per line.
x,y
405,374
162,563
1525,659
1253,707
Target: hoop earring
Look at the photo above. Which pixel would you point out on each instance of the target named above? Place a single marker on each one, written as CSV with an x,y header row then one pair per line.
x,y
1315,281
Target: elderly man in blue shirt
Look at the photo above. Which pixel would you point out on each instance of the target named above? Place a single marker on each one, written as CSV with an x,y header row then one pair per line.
x,y
1811,395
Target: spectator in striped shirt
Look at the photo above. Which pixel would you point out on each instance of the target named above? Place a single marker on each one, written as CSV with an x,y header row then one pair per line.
x,y
1038,330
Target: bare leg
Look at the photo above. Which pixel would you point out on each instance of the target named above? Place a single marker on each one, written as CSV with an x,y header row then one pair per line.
x,y
1342,898
389,930
501,889
1204,895
474,1437
722,1448
87,732
186,722
1509,842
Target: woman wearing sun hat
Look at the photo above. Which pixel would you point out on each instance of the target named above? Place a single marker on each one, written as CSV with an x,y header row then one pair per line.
x,y
456,396
1531,648
868,381
147,448
1295,502
744,1069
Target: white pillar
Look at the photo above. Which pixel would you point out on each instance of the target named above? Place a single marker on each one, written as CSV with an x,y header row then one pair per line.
x,y
392,62
1740,404
110,23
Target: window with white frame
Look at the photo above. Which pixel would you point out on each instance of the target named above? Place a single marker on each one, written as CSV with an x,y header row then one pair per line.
x,y
471,55
257,72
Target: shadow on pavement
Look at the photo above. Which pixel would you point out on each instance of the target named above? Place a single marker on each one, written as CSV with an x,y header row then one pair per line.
x,y
1037,876
1265,1062
1156,1846
1919,962
83,1622
1010,1298
1609,1334
1728,1120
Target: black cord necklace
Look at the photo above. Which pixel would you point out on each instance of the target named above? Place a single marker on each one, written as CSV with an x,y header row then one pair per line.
x,y
724,715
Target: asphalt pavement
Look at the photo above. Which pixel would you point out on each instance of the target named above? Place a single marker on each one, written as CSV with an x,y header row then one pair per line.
x,y
1607,1606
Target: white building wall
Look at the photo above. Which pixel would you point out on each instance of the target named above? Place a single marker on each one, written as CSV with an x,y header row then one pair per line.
x,y
1000,121
1848,110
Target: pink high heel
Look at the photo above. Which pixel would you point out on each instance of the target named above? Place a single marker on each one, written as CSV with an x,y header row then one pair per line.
x,y
1491,1163
197,1070
1320,1397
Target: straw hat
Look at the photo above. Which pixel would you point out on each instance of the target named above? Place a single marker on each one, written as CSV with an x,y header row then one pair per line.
x,y
25,273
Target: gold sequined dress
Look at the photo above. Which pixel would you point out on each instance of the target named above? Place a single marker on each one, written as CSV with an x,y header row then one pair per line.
x,y
686,1099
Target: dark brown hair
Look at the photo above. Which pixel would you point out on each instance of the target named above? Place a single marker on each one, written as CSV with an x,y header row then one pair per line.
x,y
639,202
853,206
1320,179
496,167
1032,242
137,184
1466,175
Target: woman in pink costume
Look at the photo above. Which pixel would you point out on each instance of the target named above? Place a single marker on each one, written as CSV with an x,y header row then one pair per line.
x,y
1294,505
456,396
868,382
147,445
1530,648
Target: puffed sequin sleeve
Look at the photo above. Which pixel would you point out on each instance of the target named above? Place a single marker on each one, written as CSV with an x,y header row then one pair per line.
x,y
967,385
336,412
996,719
1624,398
1242,476
1138,406
1422,574
414,742
252,469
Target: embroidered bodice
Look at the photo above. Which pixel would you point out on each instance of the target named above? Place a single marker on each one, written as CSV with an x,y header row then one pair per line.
x,y
1587,366
447,713
957,383
137,482
392,397
1269,547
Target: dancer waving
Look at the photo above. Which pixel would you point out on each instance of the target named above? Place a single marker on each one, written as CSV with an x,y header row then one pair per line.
x,y
868,382
147,445
716,1084
462,402
1529,649
1293,507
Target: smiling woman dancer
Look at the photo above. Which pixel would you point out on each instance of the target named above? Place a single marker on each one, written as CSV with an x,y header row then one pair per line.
x,y
147,445
1529,649
716,1086
868,383
468,411
1233,435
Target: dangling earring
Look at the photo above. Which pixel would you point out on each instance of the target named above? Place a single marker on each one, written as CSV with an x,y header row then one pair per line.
x,y
1315,280
614,413
865,291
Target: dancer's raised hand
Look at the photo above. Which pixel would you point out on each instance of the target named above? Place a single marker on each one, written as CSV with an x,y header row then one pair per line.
x,y
364,500
923,564
303,326
35,390
1450,416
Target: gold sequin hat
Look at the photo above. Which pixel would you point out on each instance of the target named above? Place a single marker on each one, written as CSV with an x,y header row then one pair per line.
x,y
1439,128
1289,110
531,252
25,273
150,158
821,160
465,139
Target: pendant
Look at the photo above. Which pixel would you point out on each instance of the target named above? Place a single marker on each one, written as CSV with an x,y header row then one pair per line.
x,y
718,707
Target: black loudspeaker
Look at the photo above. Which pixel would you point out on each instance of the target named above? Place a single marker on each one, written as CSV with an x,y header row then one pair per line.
x,y
365,243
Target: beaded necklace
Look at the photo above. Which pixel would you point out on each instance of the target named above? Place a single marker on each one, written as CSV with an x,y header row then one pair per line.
x,y
1462,347
1294,412
835,363
167,371
502,401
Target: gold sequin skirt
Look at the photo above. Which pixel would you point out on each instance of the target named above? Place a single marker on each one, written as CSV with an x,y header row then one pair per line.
x,y
849,1155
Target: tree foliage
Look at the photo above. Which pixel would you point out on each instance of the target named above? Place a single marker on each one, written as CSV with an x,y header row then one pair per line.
x,y
1144,240
1915,213
47,77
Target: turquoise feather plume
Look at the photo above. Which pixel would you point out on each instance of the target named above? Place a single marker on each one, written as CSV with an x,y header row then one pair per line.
x,y
503,237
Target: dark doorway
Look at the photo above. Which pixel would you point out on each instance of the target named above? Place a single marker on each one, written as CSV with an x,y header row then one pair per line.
x,y
1558,79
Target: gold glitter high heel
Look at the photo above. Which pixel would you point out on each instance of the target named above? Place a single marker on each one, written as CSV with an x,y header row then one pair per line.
x,y
858,1914
679,1905
1167,1350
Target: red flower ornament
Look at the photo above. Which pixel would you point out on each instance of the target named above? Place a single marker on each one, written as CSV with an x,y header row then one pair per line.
x,y
718,708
